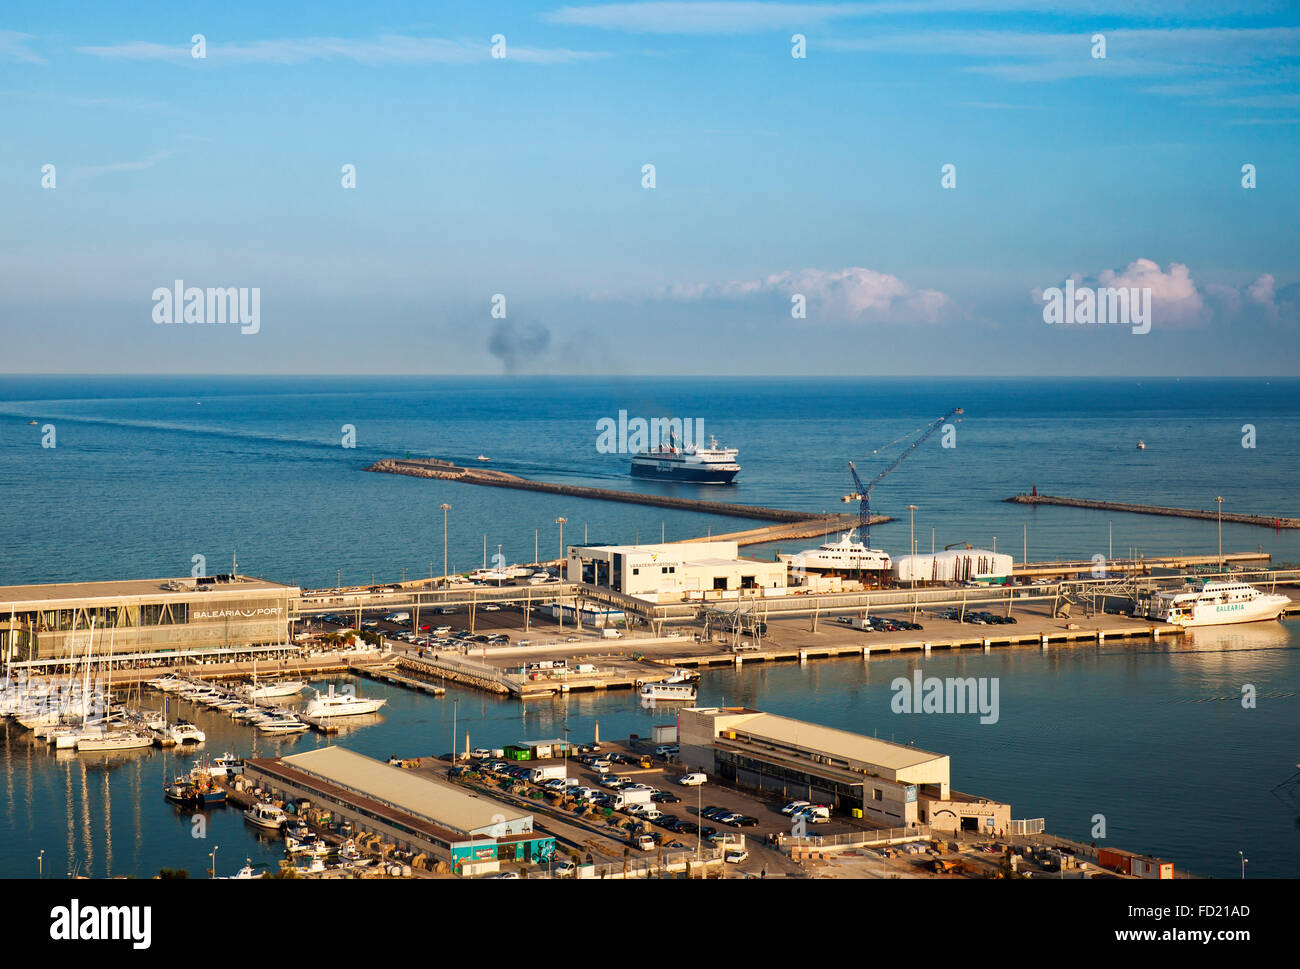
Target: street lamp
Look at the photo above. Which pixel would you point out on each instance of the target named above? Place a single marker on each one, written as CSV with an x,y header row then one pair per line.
x,y
560,522
445,508
213,855
40,864
1244,862
1219,502
912,542
455,706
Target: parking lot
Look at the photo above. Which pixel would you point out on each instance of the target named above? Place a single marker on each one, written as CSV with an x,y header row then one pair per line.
x,y
595,778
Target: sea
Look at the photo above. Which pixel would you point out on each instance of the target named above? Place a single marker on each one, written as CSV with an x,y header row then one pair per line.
x,y
1149,743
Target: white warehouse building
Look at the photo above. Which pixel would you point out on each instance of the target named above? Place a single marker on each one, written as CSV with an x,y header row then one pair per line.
x,y
958,565
668,573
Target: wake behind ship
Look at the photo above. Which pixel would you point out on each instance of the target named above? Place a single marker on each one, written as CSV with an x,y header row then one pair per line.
x,y
697,465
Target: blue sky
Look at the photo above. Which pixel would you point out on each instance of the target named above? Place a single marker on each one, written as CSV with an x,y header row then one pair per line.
x,y
775,177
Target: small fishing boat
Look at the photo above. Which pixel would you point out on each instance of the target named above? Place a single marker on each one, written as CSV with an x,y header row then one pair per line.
x,y
195,793
482,457
1142,445
264,814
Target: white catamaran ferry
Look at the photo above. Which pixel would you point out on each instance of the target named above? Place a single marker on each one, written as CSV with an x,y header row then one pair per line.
x,y
1214,603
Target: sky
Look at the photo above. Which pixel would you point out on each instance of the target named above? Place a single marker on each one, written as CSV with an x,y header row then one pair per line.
x,y
800,218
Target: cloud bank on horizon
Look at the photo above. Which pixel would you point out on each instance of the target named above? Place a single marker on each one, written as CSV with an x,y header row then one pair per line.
x,y
764,185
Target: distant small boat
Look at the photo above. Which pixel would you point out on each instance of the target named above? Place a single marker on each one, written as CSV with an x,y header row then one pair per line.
x,y
1142,445
33,423
479,458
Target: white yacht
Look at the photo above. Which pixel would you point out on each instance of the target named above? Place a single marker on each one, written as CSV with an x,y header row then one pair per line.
x,y
115,740
266,815
285,723
271,691
333,704
1213,603
184,732
668,691
848,556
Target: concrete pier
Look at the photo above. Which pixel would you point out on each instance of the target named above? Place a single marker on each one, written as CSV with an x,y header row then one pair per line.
x,y
481,476
1266,521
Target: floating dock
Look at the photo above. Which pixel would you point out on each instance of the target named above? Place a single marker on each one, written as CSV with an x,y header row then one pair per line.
x,y
1265,521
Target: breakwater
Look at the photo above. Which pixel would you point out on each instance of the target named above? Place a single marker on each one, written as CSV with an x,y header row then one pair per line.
x,y
430,468
1265,521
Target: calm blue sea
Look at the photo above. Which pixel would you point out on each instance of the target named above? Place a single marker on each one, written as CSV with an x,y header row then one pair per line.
x,y
148,472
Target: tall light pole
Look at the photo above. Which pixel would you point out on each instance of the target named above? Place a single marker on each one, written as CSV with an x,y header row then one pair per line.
x,y
445,508
560,522
1219,502
455,705
213,855
912,541
40,865
1244,861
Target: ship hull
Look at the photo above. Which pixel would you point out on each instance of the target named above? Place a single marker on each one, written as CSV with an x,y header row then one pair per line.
x,y
693,474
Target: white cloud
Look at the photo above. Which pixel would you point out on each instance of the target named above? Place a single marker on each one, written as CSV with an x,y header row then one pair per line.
x,y
851,295
13,46
1177,300
127,166
741,16
385,49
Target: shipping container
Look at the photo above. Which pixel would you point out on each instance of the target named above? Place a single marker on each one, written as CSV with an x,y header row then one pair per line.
x,y
1116,860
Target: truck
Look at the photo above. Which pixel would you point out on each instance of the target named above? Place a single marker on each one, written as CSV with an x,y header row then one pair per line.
x,y
623,800
547,773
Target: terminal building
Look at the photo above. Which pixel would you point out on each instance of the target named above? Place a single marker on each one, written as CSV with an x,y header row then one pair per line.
x,y
669,573
410,809
162,620
893,785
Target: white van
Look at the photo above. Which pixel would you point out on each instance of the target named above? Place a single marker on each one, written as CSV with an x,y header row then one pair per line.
x,y
610,634
693,780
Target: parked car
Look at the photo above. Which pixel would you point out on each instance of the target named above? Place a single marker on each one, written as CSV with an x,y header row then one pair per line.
x,y
736,857
491,608
564,869
743,821
665,797
713,811
692,780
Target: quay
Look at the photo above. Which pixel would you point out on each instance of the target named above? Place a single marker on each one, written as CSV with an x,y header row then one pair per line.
x,y
1266,521
431,468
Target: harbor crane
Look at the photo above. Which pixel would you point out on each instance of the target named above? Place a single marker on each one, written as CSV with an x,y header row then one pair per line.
x,y
862,493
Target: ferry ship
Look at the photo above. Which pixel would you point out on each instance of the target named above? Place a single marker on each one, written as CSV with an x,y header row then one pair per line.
x,y
848,556
1214,603
697,465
